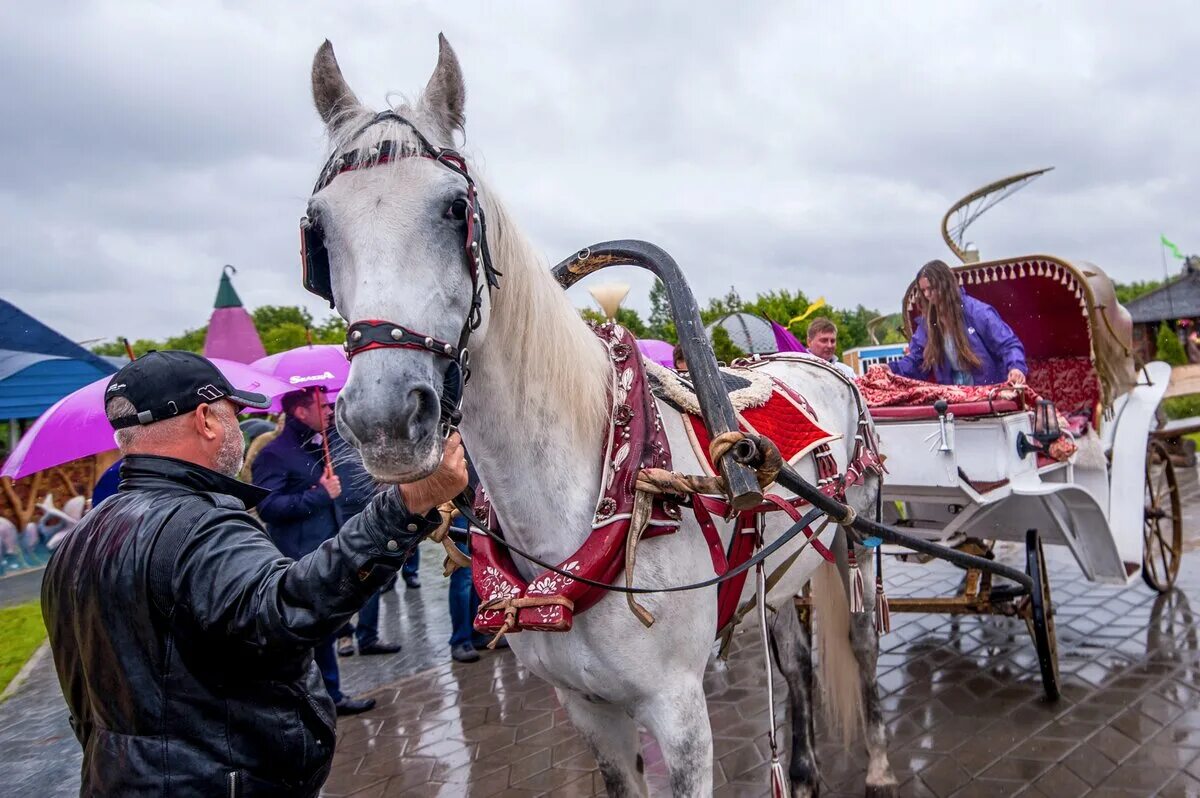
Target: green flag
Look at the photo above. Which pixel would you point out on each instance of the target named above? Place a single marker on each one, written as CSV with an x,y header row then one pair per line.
x,y
1174,249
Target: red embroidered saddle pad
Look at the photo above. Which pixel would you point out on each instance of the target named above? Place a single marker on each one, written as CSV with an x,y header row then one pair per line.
x,y
787,419
636,440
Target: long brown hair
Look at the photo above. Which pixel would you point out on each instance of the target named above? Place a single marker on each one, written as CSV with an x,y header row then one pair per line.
x,y
944,318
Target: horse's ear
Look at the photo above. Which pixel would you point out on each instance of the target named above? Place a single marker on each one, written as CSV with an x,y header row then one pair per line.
x,y
446,94
331,94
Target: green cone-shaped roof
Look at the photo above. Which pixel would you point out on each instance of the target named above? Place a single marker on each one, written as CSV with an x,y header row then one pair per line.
x,y
226,296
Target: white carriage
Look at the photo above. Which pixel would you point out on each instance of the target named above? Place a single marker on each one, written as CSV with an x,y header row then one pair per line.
x,y
970,474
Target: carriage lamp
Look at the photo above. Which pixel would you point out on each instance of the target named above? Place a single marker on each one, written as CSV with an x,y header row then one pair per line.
x,y
1045,430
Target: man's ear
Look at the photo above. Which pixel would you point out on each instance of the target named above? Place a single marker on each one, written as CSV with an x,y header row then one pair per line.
x,y
206,421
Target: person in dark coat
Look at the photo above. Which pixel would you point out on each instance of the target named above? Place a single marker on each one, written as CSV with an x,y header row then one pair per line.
x,y
358,488
302,510
182,637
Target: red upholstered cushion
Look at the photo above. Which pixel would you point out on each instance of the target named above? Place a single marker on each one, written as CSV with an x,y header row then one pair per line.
x,y
1069,382
959,409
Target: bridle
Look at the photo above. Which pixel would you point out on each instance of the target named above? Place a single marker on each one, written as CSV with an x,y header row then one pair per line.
x,y
367,334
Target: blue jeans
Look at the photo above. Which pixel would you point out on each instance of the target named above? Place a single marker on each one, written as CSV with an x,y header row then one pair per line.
x,y
412,563
325,653
463,604
367,627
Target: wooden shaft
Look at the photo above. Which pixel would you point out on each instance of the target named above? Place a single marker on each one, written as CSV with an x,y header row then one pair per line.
x,y
715,408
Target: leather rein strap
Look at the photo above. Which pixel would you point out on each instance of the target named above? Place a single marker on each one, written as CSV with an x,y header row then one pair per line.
x,y
468,512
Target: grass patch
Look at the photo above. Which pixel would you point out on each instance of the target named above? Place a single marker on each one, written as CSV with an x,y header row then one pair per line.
x,y
21,632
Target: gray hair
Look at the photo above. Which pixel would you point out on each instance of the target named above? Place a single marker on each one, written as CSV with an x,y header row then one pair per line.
x,y
132,440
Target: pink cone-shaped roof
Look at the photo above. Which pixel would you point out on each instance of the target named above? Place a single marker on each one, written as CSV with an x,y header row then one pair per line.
x,y
231,332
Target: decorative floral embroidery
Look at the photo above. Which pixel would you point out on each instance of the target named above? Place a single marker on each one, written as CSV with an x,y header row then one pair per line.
x,y
622,415
619,352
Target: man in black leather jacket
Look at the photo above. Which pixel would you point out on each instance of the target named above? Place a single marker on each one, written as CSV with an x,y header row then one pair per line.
x,y
182,637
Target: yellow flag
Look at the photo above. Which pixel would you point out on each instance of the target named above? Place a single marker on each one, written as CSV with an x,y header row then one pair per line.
x,y
813,308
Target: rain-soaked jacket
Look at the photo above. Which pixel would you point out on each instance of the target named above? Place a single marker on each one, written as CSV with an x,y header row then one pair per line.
x,y
183,638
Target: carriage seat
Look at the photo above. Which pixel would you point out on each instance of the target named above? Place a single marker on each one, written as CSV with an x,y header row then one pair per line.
x,y
958,410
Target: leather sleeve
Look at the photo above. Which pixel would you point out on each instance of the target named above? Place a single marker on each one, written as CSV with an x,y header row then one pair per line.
x,y
233,581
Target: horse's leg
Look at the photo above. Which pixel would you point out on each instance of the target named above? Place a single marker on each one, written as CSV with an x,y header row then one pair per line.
x,y
613,737
678,718
881,782
792,651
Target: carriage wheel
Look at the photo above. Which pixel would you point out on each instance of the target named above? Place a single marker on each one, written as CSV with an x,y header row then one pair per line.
x,y
1041,614
1162,528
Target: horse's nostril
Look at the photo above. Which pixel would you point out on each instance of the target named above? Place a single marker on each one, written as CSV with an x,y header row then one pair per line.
x,y
420,411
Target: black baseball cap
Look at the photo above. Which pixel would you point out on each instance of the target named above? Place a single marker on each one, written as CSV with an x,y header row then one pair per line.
x,y
162,385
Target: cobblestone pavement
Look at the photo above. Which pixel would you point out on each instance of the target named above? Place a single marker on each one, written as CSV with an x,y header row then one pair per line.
x,y
962,700
962,697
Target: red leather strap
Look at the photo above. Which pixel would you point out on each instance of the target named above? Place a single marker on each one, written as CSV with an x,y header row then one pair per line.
x,y
712,537
794,514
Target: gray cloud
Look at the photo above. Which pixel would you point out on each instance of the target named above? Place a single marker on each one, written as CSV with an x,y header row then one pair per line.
x,y
766,146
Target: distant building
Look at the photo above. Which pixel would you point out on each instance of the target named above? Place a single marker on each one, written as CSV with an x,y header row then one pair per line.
x,y
231,332
1178,299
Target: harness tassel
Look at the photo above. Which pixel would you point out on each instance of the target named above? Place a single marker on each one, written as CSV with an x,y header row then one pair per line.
x,y
778,779
883,614
857,590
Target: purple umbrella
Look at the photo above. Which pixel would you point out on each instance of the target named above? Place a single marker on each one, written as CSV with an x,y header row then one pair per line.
x,y
660,352
75,426
314,365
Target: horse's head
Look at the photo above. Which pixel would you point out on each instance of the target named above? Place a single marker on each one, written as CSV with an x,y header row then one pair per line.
x,y
400,230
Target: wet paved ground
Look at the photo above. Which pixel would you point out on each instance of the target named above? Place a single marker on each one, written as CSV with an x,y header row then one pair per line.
x,y
962,699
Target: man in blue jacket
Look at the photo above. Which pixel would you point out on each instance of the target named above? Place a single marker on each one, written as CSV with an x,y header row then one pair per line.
x,y
302,510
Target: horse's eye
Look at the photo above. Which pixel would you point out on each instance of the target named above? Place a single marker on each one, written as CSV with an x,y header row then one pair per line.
x,y
457,210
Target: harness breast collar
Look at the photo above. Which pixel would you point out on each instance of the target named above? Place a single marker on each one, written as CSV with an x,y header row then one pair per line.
x,y
366,334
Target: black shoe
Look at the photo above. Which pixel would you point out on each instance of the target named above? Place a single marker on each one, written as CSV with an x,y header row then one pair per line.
x,y
464,652
346,647
354,706
413,581
379,648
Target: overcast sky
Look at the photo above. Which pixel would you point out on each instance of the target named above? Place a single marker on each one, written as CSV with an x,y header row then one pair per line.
x,y
789,145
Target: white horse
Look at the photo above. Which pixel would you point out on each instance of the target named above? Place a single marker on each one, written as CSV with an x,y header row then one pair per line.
x,y
534,416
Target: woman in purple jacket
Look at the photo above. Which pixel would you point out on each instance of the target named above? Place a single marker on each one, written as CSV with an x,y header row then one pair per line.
x,y
960,341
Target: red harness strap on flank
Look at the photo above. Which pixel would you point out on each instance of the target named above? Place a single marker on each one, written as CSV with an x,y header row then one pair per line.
x,y
794,514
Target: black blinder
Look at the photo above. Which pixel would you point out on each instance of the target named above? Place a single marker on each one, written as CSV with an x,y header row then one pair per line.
x,y
314,260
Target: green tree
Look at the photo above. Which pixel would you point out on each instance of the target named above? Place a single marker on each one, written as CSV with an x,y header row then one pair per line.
x,y
189,341
626,317
1127,292
282,337
661,324
721,306
779,306
1170,348
723,346
332,331
269,316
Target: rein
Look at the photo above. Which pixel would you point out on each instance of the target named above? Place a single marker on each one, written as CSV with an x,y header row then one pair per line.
x,y
799,526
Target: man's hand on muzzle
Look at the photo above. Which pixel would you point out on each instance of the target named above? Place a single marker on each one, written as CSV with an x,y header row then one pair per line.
x,y
449,480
